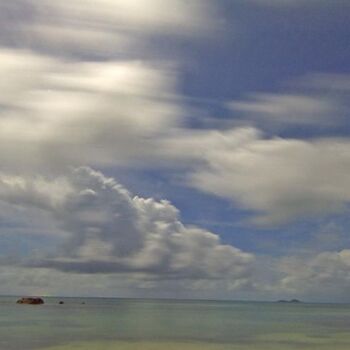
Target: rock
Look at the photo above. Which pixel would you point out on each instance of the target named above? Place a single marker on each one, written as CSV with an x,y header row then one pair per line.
x,y
61,302
30,301
293,301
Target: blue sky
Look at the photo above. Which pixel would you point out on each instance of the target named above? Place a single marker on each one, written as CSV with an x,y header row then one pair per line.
x,y
175,148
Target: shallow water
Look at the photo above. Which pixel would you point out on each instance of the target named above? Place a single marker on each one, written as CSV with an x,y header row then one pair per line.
x,y
108,324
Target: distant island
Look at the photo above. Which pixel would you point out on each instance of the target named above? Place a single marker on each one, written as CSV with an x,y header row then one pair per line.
x,y
289,301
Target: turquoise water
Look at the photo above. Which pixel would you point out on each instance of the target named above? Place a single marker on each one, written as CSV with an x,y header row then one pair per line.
x,y
164,324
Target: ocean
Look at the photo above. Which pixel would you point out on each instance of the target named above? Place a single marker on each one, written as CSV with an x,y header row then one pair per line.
x,y
129,324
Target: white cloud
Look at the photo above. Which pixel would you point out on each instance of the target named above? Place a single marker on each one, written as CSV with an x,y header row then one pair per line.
x,y
290,109
279,179
111,232
176,16
100,27
315,100
124,113
57,113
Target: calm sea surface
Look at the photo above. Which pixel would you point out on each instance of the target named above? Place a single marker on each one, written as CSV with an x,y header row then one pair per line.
x,y
108,324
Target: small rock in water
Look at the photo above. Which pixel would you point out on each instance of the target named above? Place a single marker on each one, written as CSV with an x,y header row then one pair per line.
x,y
31,301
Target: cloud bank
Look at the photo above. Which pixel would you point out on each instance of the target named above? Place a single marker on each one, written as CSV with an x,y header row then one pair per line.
x,y
109,231
58,114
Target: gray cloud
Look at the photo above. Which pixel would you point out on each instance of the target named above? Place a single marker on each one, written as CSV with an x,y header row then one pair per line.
x,y
327,83
317,276
111,232
16,280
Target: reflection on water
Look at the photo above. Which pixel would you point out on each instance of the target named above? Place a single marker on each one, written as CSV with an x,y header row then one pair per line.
x,y
271,341
163,324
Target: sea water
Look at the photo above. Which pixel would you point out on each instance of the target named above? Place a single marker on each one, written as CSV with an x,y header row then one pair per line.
x,y
123,324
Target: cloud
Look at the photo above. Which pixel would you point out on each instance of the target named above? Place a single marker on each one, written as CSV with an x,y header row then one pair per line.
x,y
298,3
112,232
315,100
279,179
290,110
15,280
57,113
70,99
101,28
152,15
82,84
323,276
326,82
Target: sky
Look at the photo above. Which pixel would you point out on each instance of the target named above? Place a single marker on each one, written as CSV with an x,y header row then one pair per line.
x,y
175,149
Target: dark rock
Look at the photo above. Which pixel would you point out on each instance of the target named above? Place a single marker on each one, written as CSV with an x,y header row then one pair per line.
x,y
30,301
61,302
